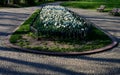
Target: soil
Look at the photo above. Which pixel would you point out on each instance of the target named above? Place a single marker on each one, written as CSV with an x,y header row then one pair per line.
x,y
48,42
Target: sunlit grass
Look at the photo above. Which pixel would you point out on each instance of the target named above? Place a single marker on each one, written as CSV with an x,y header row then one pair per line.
x,y
92,4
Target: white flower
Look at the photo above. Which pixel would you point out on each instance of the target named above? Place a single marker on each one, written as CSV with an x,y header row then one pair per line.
x,y
55,23
82,29
45,25
59,17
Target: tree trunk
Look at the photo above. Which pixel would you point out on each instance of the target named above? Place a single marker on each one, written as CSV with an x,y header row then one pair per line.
x,y
7,1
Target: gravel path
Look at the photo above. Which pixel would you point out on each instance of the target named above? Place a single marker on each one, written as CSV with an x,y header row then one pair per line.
x,y
15,62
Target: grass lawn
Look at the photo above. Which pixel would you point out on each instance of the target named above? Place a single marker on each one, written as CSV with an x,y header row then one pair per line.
x,y
93,4
25,38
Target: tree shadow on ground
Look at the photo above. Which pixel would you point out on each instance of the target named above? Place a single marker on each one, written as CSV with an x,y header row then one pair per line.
x,y
5,25
20,15
52,67
12,19
5,33
11,50
101,61
111,60
113,71
49,67
113,18
6,71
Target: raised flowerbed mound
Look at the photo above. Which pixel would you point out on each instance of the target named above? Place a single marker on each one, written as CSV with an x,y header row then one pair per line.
x,y
58,30
59,21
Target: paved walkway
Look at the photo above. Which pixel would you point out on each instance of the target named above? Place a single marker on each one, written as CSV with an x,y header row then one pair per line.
x,y
15,62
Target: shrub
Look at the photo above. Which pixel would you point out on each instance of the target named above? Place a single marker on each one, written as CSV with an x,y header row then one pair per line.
x,y
59,21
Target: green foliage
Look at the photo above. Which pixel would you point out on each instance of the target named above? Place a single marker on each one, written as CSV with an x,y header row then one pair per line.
x,y
93,4
61,22
23,29
84,5
31,34
96,34
23,42
14,38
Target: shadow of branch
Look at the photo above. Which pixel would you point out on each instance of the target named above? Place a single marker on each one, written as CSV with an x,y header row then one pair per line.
x,y
40,66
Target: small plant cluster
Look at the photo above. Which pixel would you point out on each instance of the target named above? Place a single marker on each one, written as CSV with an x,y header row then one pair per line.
x,y
115,12
59,21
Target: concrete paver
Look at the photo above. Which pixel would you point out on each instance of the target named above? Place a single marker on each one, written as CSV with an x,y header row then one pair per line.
x,y
16,62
